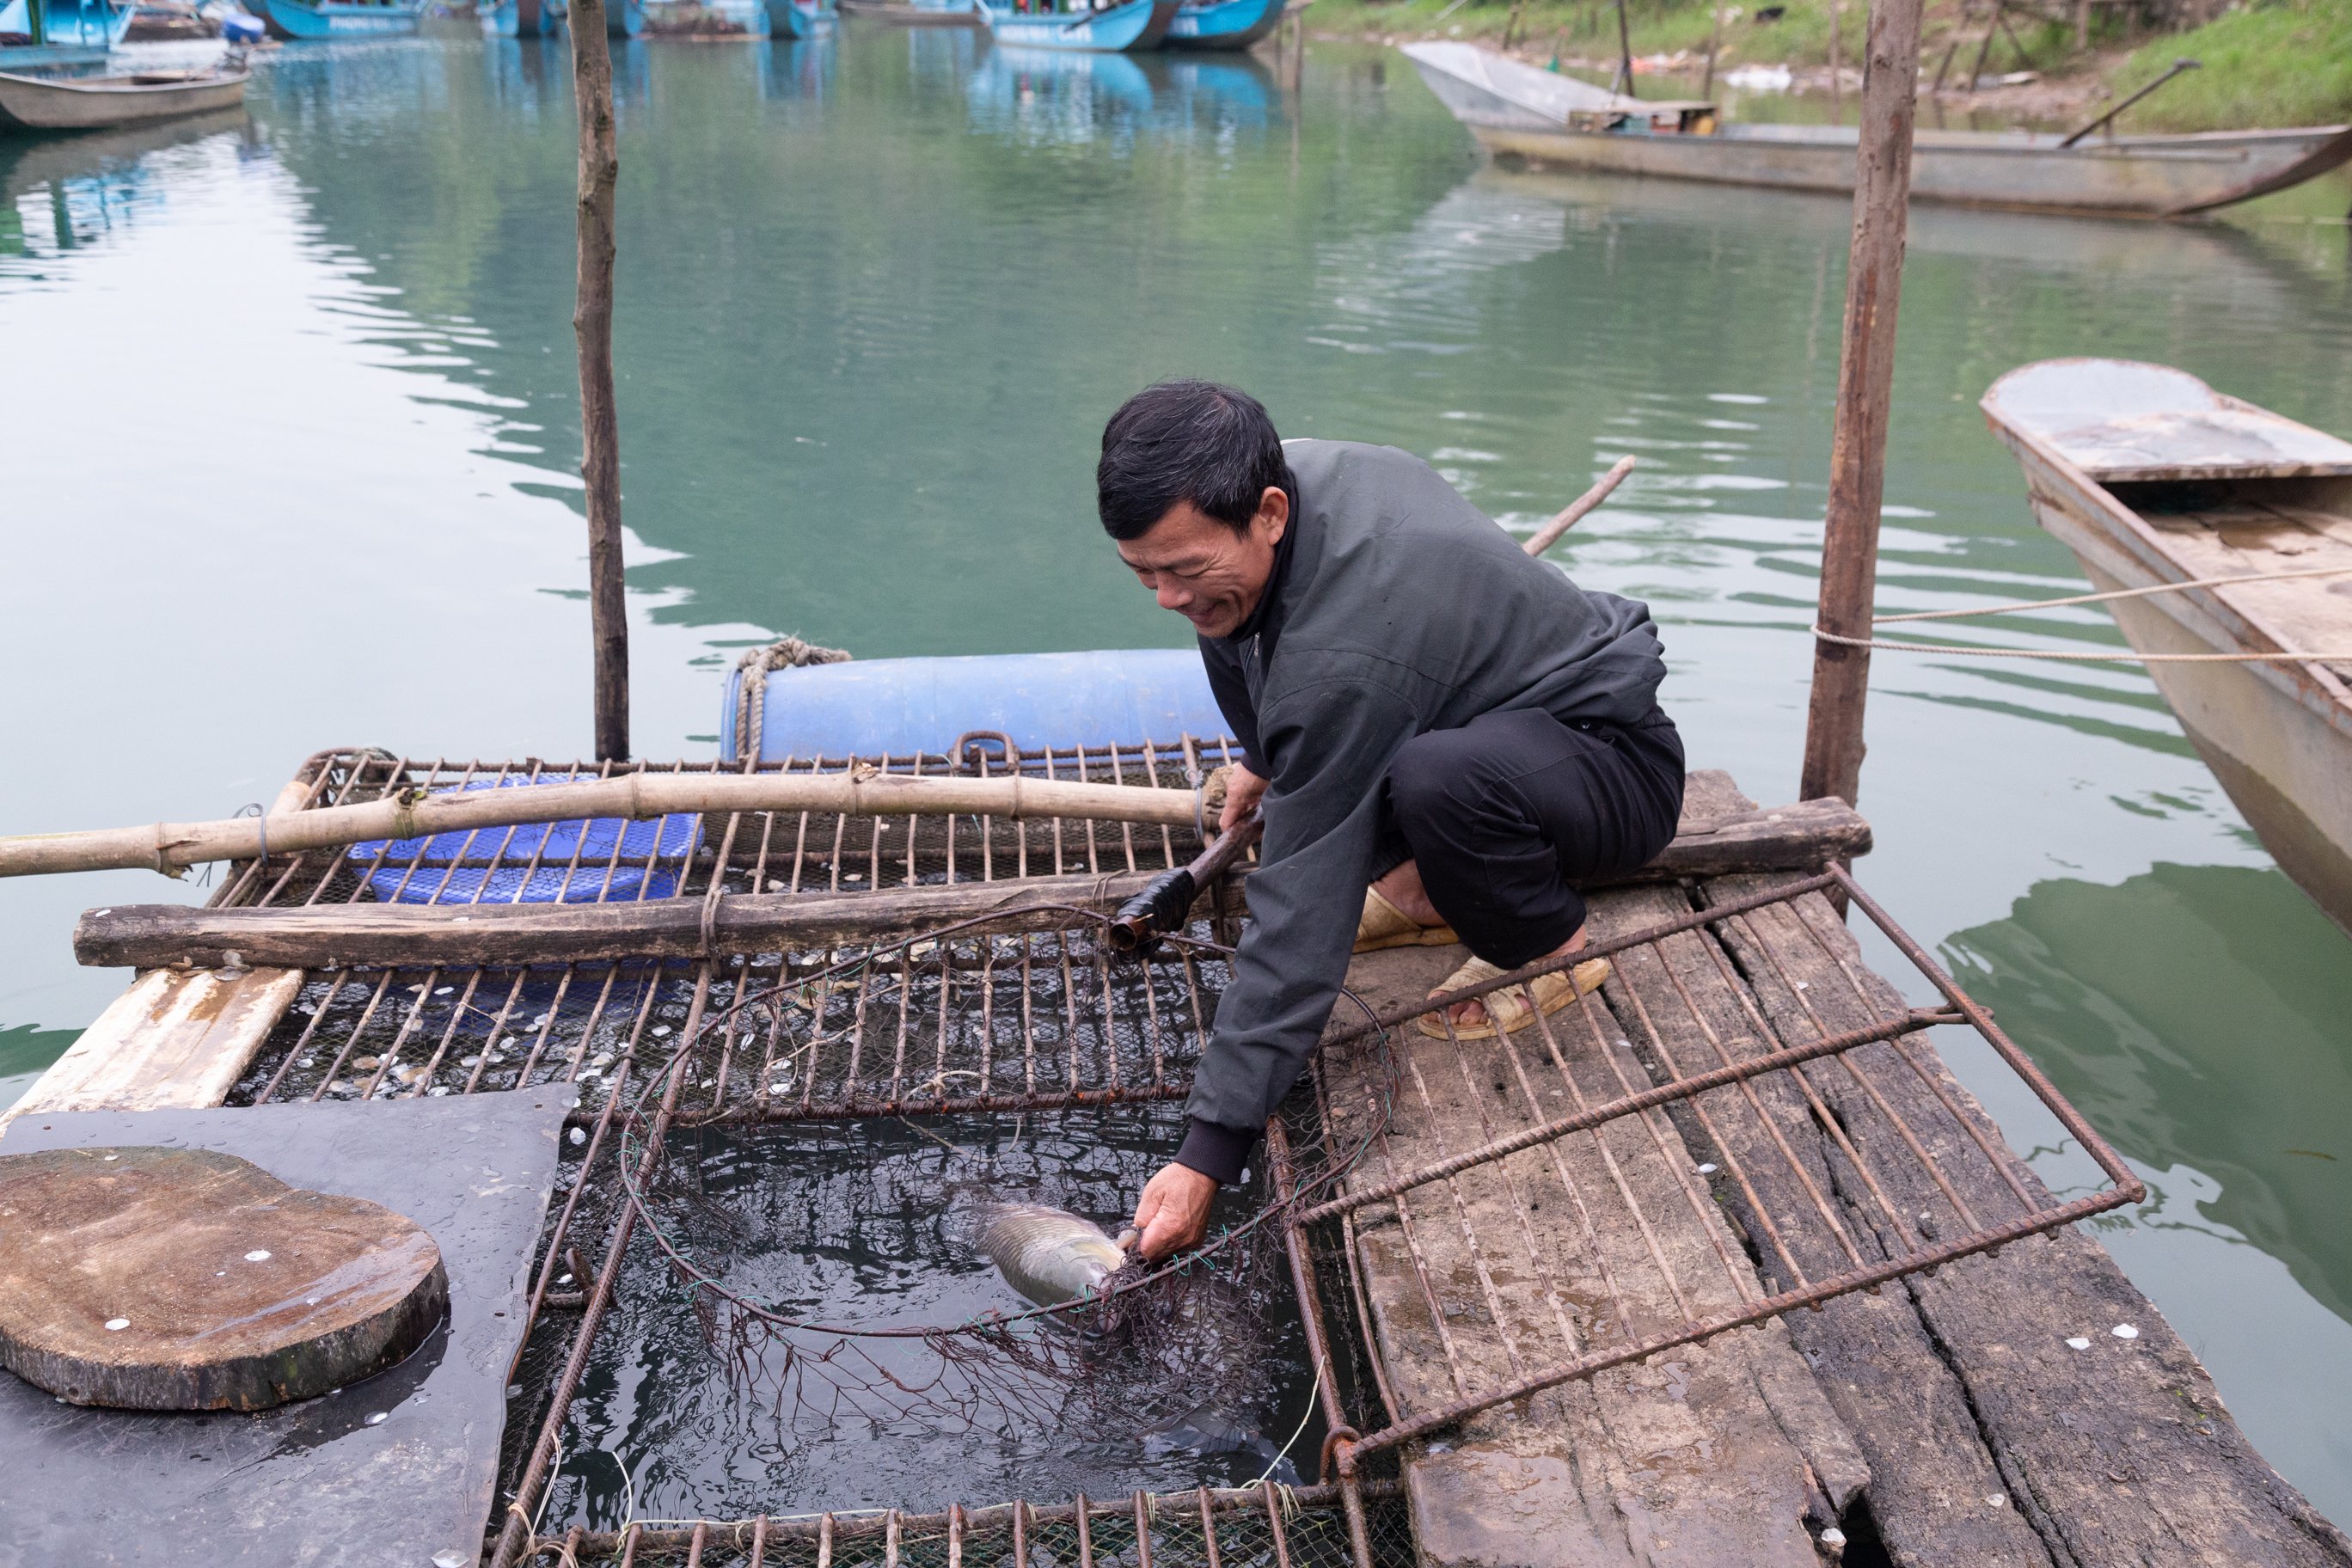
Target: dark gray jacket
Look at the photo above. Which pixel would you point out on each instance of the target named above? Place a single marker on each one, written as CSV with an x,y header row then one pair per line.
x,y
1396,607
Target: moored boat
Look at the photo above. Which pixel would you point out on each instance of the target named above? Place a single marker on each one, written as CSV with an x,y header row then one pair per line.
x,y
1222,24
2153,479
49,34
520,18
1133,25
801,18
340,18
902,13
1550,119
102,102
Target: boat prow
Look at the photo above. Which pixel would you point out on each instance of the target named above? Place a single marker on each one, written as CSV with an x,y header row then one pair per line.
x,y
2154,480
1133,26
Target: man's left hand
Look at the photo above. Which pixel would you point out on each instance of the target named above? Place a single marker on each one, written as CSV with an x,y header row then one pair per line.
x,y
1173,1213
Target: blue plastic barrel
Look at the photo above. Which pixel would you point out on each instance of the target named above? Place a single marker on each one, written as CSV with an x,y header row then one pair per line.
x,y
898,707
238,27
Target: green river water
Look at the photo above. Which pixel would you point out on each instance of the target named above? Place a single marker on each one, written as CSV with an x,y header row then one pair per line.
x,y
290,418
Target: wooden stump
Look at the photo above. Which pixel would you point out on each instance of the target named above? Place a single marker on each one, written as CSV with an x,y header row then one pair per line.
x,y
185,1280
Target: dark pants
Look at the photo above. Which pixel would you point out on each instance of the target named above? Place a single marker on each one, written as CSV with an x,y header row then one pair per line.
x,y
1506,815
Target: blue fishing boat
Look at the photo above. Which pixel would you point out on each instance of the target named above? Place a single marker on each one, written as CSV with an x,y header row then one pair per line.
x,y
340,18
801,18
1134,25
46,34
520,18
1224,24
701,19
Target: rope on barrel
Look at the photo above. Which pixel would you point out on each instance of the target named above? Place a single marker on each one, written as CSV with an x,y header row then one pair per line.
x,y
751,688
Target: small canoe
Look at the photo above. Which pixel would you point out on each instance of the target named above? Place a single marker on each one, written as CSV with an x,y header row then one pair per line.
x,y
340,18
1134,25
899,14
2151,477
1222,24
1556,121
100,102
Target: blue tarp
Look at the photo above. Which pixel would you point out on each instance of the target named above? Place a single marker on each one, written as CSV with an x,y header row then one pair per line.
x,y
436,879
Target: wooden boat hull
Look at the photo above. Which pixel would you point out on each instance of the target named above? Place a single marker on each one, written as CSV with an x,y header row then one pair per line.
x,y
315,19
87,103
1224,24
899,15
1137,24
2139,176
2278,736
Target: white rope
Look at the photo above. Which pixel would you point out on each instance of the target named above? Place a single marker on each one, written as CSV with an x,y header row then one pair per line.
x,y
2084,657
2112,593
1964,651
1313,1395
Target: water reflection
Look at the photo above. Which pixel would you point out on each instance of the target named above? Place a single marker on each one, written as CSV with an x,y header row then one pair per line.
x,y
1075,99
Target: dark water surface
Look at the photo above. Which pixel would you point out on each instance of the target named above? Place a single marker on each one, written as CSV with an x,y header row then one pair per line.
x,y
291,413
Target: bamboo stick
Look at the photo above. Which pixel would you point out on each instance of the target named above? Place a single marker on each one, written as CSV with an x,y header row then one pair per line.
x,y
172,846
1571,514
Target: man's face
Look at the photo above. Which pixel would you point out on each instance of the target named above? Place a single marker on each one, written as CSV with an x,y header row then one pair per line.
x,y
1204,570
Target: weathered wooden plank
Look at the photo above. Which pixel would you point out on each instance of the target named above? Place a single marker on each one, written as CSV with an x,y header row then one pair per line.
x,y
157,1278
2118,1452
1794,837
1931,1474
1683,1460
172,1039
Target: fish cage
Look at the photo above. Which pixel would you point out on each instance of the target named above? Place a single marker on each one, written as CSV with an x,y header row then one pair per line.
x,y
755,1336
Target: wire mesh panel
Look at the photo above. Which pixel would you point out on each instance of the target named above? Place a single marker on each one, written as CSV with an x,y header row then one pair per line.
x,y
1259,1527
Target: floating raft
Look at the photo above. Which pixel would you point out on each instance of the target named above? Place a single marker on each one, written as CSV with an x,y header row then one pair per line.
x,y
1536,1266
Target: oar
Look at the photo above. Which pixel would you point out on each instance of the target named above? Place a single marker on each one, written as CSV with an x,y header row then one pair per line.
x,y
2179,65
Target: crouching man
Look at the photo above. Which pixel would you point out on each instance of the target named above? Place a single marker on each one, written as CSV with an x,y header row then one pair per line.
x,y
1444,736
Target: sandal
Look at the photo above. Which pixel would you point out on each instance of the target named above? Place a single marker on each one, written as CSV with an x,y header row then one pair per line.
x,y
1553,992
1383,925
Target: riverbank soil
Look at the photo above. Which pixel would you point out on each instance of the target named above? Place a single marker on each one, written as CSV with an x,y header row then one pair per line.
x,y
2270,63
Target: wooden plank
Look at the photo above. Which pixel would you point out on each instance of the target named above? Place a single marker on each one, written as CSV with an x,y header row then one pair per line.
x,y
1932,1474
1792,837
1713,1454
2119,1452
174,1038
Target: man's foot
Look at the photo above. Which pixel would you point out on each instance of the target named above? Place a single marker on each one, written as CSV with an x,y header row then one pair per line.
x,y
1474,1020
1383,925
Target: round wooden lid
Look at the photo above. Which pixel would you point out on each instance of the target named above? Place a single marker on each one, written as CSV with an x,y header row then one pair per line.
x,y
185,1280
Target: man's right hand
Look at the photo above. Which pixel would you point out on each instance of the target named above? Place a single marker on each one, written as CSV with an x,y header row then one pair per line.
x,y
1243,790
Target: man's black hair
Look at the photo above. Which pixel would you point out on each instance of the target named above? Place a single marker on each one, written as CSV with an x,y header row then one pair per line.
x,y
1188,441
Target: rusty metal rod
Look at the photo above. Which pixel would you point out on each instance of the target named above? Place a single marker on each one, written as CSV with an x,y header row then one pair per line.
x,y
2113,1163
1382,1022
1770,1307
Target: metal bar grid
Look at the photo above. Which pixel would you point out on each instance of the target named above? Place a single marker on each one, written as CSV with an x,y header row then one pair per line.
x,y
1742,1122
1007,1022
735,853
1250,1527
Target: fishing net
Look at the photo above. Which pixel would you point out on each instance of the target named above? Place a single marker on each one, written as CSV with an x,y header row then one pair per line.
x,y
831,1261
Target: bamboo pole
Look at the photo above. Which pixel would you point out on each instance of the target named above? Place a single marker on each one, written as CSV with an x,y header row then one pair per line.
x,y
1625,52
1714,46
172,846
1890,85
592,323
1571,514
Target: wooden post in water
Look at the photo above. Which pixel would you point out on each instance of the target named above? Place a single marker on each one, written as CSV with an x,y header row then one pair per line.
x,y
1882,191
1625,52
592,322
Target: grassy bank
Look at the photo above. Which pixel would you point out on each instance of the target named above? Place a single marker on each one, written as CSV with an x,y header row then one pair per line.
x,y
2272,62
2285,63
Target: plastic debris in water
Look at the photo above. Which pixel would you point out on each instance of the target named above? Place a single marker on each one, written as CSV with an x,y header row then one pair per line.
x,y
2078,1342
2124,1332
1707,1170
